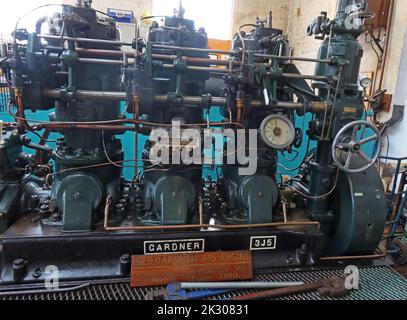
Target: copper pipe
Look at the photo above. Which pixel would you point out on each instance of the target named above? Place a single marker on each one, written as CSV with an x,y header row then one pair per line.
x,y
84,126
207,226
240,110
369,257
44,137
42,142
18,94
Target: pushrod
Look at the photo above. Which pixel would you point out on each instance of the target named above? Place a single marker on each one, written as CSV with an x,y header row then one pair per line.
x,y
115,53
85,40
205,69
269,56
161,46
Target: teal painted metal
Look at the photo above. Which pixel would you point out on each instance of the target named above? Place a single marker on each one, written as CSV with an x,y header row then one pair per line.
x,y
359,220
79,195
9,193
128,138
294,161
37,116
173,197
258,195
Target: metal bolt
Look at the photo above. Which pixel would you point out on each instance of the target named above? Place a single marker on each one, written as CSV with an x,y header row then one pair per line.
x,y
125,264
261,195
19,263
19,269
37,273
77,196
174,195
125,258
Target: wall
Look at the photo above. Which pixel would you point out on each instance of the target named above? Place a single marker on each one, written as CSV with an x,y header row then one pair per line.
x,y
293,18
398,133
244,11
302,12
396,44
139,7
247,11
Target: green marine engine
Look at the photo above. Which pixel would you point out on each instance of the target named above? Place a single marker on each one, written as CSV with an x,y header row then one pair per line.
x,y
210,128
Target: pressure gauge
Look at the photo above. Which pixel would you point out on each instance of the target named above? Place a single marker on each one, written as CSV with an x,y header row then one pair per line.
x,y
366,82
277,132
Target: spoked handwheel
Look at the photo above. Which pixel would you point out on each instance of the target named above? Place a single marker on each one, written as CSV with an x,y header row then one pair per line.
x,y
346,146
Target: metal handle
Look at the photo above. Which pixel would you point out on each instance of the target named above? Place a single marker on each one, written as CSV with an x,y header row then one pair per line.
x,y
353,146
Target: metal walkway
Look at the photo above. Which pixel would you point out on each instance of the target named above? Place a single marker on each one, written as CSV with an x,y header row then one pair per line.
x,y
376,283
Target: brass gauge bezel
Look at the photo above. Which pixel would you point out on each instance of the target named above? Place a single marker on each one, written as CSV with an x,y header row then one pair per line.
x,y
267,141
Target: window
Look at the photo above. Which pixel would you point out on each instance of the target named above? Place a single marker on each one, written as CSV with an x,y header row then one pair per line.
x,y
13,10
214,15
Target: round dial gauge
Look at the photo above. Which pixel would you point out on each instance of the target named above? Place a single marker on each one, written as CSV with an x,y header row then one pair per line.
x,y
366,82
277,132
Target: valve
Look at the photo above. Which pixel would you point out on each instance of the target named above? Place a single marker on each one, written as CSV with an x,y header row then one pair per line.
x,y
320,26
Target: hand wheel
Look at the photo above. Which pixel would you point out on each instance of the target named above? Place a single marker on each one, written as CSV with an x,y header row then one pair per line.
x,y
352,146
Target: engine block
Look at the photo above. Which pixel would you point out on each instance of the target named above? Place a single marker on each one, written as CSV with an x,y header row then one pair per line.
x,y
164,91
